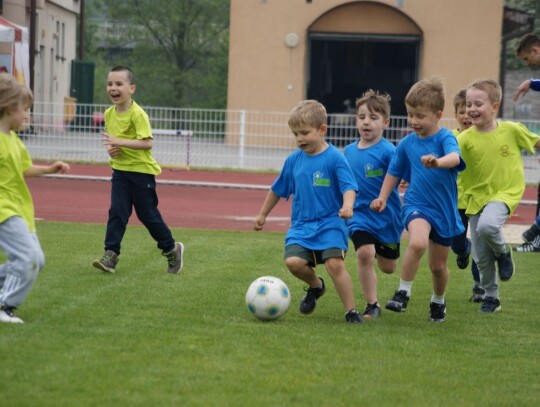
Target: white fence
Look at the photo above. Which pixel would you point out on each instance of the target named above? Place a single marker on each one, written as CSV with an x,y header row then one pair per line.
x,y
198,138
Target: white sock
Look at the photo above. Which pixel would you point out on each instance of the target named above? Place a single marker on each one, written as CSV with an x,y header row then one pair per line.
x,y
405,286
437,299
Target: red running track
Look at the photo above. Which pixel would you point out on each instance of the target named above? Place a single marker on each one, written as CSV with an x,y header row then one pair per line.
x,y
201,207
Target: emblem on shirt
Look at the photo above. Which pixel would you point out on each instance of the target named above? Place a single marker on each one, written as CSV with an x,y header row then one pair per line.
x,y
505,150
371,171
319,180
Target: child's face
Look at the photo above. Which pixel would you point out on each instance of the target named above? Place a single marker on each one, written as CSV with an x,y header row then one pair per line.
x,y
19,116
532,57
370,125
462,117
423,120
119,88
480,109
310,139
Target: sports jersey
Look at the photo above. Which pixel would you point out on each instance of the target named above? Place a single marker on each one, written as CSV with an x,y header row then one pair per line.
x,y
494,165
431,191
15,198
132,124
317,184
369,166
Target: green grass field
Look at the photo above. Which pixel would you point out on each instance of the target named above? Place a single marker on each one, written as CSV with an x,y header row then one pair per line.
x,y
143,337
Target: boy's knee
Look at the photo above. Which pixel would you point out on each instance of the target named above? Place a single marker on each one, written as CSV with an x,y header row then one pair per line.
x,y
295,264
486,229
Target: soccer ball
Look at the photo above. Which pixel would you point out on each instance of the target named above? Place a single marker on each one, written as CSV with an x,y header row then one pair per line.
x,y
268,298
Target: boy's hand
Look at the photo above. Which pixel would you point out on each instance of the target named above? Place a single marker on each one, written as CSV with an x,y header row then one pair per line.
x,y
346,212
111,143
378,205
430,161
521,90
114,151
59,166
259,222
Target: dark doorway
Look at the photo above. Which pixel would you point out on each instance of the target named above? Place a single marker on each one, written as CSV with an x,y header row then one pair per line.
x,y
342,67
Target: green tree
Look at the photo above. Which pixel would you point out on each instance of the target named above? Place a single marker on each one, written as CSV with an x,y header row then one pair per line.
x,y
178,49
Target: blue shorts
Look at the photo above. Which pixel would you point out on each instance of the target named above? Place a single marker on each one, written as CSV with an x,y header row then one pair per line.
x,y
433,235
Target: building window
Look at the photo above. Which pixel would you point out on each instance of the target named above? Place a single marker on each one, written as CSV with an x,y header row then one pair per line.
x,y
63,41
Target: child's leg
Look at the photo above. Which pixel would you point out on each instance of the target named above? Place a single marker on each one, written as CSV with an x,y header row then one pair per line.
x,y
460,243
25,260
438,264
119,211
419,230
303,271
365,256
489,226
484,258
342,281
146,207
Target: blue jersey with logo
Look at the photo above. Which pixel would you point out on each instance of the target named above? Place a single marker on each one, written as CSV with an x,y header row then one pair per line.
x,y
369,166
317,184
431,191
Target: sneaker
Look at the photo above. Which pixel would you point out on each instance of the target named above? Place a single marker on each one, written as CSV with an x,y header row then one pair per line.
x,y
506,264
490,304
531,233
353,317
307,305
437,312
108,262
399,301
372,311
462,260
478,294
527,248
7,314
175,258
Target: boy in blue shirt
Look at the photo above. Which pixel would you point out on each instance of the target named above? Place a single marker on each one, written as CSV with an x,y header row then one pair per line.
x,y
431,159
375,236
323,188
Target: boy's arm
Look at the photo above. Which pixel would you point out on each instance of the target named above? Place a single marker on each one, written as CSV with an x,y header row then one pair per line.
x,y
450,160
112,142
38,170
524,87
269,202
346,211
389,183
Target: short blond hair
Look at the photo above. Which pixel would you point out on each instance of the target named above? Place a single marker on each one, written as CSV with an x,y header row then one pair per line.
x,y
427,93
12,93
307,112
460,99
491,87
375,102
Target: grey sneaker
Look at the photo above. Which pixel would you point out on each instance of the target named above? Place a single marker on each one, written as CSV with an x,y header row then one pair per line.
x,y
506,264
108,262
7,314
175,258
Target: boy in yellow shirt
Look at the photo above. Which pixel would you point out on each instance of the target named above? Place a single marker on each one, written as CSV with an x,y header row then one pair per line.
x,y
493,183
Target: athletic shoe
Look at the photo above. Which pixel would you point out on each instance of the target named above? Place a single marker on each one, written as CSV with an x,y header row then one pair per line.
x,y
437,312
108,262
531,233
175,258
505,263
7,314
532,247
307,305
490,304
372,311
399,301
353,317
478,294
462,260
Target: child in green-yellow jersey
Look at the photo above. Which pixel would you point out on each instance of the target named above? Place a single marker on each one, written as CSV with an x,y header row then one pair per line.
x,y
493,183
128,140
18,238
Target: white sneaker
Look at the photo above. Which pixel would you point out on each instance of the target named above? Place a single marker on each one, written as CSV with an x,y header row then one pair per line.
x,y
7,315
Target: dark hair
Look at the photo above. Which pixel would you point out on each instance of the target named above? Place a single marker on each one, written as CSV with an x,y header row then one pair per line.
x,y
375,102
127,69
526,43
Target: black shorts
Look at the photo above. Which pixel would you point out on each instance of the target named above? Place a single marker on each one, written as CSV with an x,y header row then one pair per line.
x,y
386,250
313,257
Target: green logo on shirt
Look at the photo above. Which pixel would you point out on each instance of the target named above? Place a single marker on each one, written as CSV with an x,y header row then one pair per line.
x,y
319,181
372,172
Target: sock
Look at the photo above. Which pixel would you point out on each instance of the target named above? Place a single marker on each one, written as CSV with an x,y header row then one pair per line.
x,y
405,286
437,299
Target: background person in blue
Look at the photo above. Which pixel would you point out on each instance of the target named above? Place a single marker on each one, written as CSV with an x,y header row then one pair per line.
x,y
323,188
431,156
375,236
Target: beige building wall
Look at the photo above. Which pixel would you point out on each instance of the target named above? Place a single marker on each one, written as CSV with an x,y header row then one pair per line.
x,y
460,41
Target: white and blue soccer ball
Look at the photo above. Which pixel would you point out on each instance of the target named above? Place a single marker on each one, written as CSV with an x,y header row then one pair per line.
x,y
268,298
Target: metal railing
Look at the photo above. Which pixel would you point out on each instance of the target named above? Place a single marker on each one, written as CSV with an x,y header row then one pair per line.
x,y
237,139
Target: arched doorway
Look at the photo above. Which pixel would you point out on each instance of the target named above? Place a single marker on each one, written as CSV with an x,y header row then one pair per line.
x,y
358,46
